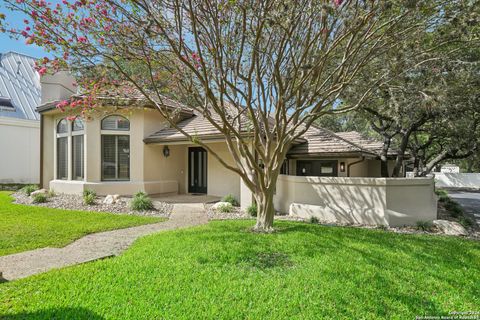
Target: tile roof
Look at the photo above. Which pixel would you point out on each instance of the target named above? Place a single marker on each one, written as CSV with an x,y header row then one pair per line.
x,y
124,95
20,84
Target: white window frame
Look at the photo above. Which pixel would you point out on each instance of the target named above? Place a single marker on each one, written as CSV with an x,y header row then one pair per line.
x,y
117,132
69,135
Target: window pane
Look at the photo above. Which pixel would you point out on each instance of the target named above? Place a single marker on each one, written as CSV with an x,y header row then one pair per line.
x,y
109,165
77,124
62,158
123,143
77,153
62,126
115,123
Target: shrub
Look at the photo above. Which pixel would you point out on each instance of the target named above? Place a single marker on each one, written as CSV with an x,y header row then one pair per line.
x,y
141,202
87,192
313,219
51,193
230,199
29,189
424,225
88,198
453,208
252,209
40,198
442,195
225,207
466,222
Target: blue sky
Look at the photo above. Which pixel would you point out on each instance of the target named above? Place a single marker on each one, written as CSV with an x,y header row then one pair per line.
x,y
6,44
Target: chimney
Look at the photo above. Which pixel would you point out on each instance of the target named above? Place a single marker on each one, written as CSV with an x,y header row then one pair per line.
x,y
57,87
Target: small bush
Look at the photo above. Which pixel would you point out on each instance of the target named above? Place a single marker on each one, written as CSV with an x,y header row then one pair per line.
x,y
225,208
141,202
313,219
51,193
453,208
87,192
466,222
230,199
89,199
424,225
252,209
40,198
29,189
442,195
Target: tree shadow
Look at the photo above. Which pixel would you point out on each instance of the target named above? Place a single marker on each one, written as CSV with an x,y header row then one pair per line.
x,y
60,313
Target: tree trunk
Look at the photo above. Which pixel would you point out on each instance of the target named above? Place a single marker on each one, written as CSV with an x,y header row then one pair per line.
x,y
265,211
384,156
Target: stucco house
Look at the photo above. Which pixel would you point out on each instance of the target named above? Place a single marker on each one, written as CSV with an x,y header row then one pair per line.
x,y
127,146
19,122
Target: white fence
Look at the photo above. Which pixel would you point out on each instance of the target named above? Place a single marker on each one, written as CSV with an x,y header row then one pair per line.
x,y
371,201
457,180
19,151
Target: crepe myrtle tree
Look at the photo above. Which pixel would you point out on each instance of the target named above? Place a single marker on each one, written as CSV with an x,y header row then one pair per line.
x,y
260,71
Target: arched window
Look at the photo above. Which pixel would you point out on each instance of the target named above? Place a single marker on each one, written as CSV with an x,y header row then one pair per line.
x,y
77,124
115,148
62,149
78,149
62,126
115,122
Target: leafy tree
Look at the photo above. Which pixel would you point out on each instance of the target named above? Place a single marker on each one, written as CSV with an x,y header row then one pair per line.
x,y
260,71
424,100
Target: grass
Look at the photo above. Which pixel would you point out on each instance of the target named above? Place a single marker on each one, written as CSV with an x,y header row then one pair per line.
x,y
223,271
28,227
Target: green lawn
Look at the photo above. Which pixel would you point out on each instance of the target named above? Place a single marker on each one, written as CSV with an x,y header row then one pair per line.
x,y
222,271
27,227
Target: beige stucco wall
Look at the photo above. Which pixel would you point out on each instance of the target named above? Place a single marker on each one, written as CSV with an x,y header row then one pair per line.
x,y
372,201
150,170
20,150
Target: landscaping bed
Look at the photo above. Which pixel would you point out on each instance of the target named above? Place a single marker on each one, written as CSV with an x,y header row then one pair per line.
x,y
224,271
76,202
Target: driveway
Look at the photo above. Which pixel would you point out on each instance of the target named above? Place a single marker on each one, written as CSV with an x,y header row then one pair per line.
x,y
469,200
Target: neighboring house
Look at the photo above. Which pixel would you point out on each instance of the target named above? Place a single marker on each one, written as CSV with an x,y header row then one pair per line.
x,y
127,146
19,122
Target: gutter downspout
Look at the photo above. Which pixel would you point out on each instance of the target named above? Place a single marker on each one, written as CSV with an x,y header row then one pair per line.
x,y
354,163
41,150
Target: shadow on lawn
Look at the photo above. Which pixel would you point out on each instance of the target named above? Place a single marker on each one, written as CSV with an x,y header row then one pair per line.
x,y
60,313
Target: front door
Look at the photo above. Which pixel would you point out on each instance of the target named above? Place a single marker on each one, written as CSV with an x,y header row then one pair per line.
x,y
197,170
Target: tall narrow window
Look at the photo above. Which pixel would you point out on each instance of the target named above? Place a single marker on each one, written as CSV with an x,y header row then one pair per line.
x,y
115,149
62,149
77,149
115,157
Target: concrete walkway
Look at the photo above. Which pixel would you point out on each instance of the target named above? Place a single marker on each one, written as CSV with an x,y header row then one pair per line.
x,y
96,246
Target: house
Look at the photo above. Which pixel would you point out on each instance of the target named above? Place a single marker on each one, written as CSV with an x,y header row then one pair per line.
x,y
19,122
127,146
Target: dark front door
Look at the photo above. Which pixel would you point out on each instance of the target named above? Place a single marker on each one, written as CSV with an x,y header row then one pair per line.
x,y
197,170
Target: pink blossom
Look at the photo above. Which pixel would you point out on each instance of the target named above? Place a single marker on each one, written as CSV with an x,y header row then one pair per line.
x,y
29,40
26,21
82,39
42,71
337,2
27,28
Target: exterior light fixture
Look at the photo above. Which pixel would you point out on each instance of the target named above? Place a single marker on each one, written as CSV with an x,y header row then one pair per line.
x,y
166,151
342,166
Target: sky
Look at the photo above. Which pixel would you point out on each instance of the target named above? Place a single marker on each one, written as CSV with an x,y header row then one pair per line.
x,y
7,44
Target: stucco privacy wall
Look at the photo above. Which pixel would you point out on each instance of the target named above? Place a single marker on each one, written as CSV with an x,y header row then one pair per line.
x,y
380,201
457,180
20,155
